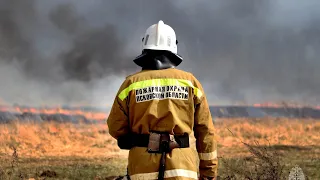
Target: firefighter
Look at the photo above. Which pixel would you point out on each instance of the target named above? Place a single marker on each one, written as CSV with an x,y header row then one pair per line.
x,y
155,111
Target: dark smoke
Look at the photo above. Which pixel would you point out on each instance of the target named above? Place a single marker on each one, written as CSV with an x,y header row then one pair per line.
x,y
71,51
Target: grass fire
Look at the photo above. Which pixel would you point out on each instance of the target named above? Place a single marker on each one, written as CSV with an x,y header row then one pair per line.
x,y
256,63
82,150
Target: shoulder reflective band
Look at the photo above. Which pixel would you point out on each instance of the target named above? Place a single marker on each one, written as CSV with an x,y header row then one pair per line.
x,y
159,82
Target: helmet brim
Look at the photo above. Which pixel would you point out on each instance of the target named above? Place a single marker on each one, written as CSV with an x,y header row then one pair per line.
x,y
143,59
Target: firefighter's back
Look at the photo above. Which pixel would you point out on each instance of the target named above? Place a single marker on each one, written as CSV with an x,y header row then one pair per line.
x,y
156,110
162,101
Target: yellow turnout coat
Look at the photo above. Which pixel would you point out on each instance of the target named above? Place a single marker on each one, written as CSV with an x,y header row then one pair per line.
x,y
169,100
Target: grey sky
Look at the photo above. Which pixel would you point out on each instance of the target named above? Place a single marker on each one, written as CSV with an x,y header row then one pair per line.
x,y
72,51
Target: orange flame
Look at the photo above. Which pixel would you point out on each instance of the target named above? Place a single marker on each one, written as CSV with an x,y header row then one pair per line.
x,y
86,114
267,105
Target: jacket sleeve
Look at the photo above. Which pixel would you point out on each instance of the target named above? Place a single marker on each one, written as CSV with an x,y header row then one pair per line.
x,y
118,119
204,132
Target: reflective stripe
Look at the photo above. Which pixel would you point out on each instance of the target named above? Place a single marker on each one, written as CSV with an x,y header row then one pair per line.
x,y
167,174
159,82
208,156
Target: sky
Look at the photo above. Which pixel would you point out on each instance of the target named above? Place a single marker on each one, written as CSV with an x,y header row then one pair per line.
x,y
79,52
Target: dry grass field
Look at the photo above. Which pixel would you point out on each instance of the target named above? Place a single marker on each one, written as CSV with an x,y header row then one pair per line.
x,y
82,151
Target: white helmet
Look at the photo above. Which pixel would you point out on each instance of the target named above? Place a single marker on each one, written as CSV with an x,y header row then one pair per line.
x,y
160,37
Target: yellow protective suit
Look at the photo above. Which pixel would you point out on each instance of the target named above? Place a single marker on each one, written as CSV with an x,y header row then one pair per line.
x,y
169,100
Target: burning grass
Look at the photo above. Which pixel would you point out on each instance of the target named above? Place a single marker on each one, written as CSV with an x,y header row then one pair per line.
x,y
87,151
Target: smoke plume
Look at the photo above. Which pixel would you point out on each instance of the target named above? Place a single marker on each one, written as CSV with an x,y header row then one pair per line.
x,y
77,51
